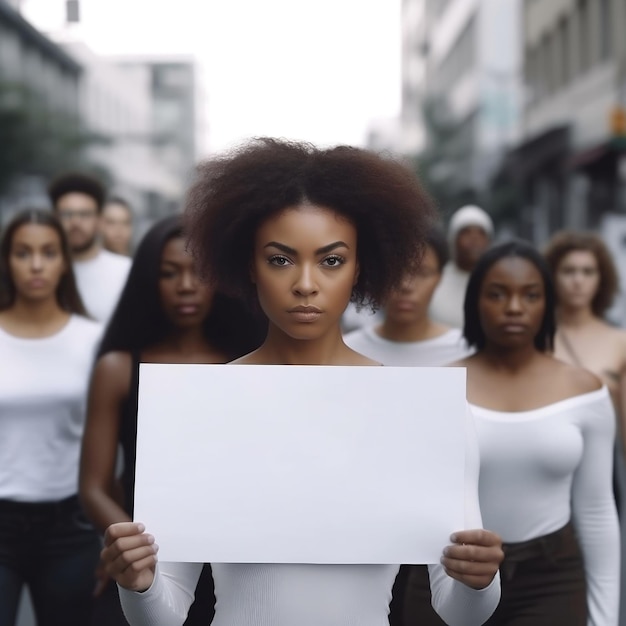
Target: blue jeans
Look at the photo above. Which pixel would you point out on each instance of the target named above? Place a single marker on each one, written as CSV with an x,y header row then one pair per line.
x,y
54,550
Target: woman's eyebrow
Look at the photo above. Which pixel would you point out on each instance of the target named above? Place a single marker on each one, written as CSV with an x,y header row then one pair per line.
x,y
323,250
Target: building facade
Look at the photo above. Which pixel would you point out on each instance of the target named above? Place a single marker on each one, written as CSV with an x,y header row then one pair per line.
x,y
119,107
33,69
173,96
570,166
462,87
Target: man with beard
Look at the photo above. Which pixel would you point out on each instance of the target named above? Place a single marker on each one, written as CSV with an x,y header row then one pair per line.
x,y
77,200
469,235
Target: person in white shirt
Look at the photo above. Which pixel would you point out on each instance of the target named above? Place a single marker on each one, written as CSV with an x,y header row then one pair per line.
x,y
77,200
545,431
300,231
407,336
47,346
469,234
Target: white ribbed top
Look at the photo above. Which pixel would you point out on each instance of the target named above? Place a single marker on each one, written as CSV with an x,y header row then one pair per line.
x,y
541,468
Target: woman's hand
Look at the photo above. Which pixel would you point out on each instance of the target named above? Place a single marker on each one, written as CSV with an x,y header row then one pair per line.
x,y
129,555
474,557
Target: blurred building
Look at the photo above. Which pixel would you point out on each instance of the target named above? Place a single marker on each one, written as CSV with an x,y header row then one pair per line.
x,y
461,87
570,167
34,66
119,108
173,95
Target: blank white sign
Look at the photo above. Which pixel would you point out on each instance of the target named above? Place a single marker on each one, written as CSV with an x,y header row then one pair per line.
x,y
300,464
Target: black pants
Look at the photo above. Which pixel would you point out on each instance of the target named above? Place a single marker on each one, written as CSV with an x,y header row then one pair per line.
x,y
54,550
543,584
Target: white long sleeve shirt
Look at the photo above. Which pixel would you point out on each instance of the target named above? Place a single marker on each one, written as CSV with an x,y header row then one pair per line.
x,y
541,468
312,595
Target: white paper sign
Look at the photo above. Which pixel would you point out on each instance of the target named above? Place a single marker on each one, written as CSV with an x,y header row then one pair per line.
x,y
300,464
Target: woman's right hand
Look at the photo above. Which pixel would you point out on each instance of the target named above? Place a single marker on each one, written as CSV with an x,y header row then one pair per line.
x,y
129,555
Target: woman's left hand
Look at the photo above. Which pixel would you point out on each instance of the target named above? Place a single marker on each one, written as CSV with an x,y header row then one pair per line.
x,y
474,557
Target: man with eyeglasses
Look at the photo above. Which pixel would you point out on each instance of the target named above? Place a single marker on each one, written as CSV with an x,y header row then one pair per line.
x,y
77,199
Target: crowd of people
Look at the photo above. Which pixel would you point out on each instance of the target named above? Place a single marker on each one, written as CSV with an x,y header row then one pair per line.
x,y
287,254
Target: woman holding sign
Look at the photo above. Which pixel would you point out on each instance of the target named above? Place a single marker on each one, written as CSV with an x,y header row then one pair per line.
x,y
165,315
545,432
301,232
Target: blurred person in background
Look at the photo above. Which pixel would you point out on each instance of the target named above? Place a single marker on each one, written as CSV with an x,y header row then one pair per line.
x,y
47,346
545,432
165,315
78,200
116,226
469,235
586,282
407,335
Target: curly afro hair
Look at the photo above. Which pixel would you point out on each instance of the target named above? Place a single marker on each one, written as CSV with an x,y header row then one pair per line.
x,y
235,192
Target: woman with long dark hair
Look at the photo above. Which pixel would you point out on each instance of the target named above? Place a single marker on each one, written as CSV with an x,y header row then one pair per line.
x,y
165,315
545,432
302,231
47,345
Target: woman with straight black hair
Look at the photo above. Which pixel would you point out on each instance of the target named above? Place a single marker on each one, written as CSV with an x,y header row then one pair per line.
x,y
545,433
47,346
165,315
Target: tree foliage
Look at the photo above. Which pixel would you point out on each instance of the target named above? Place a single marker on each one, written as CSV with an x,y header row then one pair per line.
x,y
445,157
36,139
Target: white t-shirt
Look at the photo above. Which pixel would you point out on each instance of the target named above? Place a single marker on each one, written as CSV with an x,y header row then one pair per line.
x,y
446,306
541,468
100,282
312,595
447,348
43,393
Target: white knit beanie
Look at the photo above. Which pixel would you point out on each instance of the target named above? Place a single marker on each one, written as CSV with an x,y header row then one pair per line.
x,y
469,215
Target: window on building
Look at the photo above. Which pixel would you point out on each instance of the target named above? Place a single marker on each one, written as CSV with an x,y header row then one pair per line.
x,y
583,36
530,73
564,51
547,64
459,60
606,42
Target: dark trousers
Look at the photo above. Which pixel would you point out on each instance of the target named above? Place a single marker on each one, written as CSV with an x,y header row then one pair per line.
x,y
543,583
54,550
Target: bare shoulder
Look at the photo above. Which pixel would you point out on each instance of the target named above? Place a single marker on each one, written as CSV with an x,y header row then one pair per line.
x,y
465,362
115,368
576,380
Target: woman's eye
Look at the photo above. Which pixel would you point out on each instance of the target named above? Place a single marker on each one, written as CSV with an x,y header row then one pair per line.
x,y
533,296
333,261
278,260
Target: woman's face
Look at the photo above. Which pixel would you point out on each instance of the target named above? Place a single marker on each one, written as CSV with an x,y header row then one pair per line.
x,y
577,279
36,261
409,303
186,300
305,267
511,303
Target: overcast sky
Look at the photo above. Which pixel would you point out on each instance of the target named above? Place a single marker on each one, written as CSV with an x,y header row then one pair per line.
x,y
320,71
